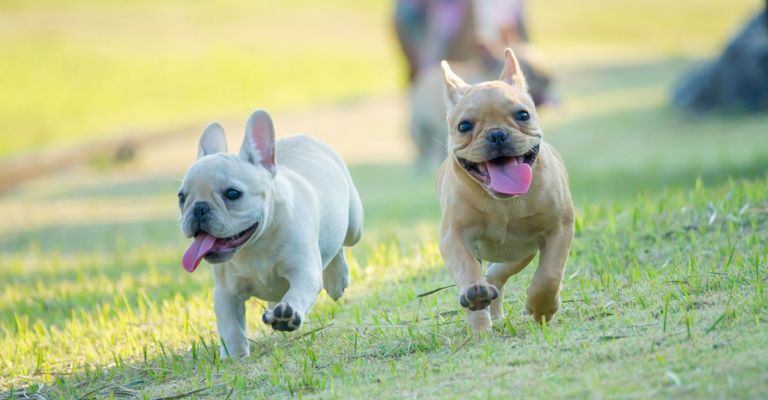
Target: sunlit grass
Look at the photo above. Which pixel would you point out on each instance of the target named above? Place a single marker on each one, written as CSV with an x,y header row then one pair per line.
x,y
664,288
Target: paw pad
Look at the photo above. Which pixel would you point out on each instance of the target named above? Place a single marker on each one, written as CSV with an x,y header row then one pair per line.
x,y
478,297
282,318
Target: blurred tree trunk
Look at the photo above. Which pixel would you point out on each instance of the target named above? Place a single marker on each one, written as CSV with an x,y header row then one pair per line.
x,y
737,80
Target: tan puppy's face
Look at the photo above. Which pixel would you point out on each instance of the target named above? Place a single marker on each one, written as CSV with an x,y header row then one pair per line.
x,y
224,198
494,133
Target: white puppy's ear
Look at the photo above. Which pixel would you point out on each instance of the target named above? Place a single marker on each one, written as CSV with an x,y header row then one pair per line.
x,y
512,73
259,142
212,140
455,87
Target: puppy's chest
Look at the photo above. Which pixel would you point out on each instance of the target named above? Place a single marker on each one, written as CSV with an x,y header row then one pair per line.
x,y
255,279
502,242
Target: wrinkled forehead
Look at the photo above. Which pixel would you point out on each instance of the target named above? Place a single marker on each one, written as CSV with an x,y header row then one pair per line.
x,y
495,95
213,170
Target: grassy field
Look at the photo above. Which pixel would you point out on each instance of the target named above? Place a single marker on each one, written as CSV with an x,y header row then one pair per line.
x,y
664,293
77,70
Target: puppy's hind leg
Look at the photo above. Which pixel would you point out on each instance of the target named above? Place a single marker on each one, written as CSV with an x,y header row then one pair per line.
x,y
355,220
497,275
336,276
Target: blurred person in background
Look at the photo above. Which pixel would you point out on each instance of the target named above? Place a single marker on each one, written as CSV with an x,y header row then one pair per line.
x,y
467,31
500,24
428,30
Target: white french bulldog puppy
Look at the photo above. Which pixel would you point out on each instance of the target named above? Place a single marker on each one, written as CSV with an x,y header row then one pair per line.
x,y
272,221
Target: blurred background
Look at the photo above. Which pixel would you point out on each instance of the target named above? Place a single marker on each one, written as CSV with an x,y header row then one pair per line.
x,y
79,79
102,102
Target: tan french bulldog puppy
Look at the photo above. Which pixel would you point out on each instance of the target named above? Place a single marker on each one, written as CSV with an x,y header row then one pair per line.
x,y
272,221
427,110
504,196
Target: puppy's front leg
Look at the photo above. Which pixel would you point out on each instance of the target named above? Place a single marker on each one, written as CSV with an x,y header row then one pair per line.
x,y
305,283
476,292
543,299
230,322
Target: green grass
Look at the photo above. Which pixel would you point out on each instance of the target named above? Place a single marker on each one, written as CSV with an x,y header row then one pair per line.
x,y
76,70
664,294
663,297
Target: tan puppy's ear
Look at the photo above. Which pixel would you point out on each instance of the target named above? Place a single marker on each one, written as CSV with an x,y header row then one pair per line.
x,y
259,142
455,87
512,73
212,141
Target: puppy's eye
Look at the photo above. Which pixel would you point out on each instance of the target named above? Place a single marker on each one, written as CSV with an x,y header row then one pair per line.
x,y
465,126
522,116
232,194
182,199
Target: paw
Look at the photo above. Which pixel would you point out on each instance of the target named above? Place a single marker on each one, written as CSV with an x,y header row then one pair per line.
x,y
282,317
478,297
234,352
542,309
335,285
497,310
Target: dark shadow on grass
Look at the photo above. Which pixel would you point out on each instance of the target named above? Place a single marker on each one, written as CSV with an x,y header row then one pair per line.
x,y
615,155
655,180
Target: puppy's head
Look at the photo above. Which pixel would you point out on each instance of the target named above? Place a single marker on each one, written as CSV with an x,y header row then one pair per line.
x,y
225,198
494,133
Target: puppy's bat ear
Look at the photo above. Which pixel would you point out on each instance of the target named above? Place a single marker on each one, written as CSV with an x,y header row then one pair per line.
x,y
212,140
455,87
512,73
259,142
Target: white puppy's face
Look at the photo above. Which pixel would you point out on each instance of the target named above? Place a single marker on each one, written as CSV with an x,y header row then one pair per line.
x,y
224,198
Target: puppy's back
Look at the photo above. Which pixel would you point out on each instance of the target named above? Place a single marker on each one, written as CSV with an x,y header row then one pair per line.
x,y
325,171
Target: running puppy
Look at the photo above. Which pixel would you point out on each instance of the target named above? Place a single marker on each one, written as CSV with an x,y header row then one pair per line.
x,y
273,221
504,196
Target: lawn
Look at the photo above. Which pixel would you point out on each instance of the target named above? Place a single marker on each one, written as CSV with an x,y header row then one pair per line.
x,y
77,70
664,294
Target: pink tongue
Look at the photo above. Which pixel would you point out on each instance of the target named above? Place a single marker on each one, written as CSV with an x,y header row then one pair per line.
x,y
202,244
512,177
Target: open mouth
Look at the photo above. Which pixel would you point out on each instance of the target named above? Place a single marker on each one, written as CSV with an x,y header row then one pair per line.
x,y
214,249
503,176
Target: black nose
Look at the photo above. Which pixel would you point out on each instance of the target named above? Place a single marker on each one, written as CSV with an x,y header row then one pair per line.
x,y
200,209
496,136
